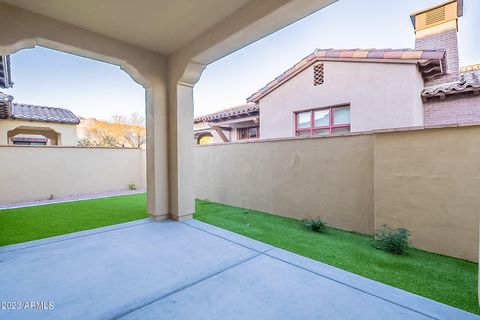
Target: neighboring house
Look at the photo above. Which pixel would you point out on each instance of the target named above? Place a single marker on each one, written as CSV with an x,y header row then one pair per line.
x,y
36,125
335,91
25,124
238,123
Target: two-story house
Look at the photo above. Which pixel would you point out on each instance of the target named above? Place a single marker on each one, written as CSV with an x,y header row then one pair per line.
x,y
335,91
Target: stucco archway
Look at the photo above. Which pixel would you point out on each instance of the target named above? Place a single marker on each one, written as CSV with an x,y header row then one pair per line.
x,y
204,138
49,133
168,77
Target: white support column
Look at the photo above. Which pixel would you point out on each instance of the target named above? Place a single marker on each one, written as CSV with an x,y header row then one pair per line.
x,y
157,152
180,109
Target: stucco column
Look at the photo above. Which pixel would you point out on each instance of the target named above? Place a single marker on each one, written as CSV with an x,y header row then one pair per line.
x,y
180,109
157,152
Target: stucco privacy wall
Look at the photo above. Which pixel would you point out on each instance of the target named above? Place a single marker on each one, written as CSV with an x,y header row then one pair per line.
x,y
33,173
425,180
360,84
329,178
429,182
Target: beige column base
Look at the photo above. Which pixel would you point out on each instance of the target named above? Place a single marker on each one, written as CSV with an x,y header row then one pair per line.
x,y
159,217
182,217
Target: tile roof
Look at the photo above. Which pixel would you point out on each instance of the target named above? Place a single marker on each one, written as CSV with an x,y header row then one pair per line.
x,y
430,66
235,112
40,113
5,102
4,114
469,81
5,73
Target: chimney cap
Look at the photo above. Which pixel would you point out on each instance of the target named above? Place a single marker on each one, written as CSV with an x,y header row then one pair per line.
x,y
459,10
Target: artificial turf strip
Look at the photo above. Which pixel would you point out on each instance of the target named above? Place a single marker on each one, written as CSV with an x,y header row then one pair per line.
x,y
37,222
448,280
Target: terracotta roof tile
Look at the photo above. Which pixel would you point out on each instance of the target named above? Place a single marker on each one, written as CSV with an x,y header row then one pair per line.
x,y
393,54
360,54
5,105
4,114
333,54
433,54
5,72
243,110
375,54
346,53
412,54
321,53
469,81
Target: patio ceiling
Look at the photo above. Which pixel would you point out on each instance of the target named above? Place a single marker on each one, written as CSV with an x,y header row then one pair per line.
x,y
163,26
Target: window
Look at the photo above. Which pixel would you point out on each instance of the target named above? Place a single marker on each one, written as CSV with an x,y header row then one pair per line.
x,y
248,133
317,74
322,121
30,141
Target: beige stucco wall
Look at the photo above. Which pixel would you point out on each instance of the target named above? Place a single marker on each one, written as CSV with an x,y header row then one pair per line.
x,y
33,173
425,180
68,132
429,182
328,178
381,95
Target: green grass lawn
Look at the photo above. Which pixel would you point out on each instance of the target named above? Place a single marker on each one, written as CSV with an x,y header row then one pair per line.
x,y
448,280
31,223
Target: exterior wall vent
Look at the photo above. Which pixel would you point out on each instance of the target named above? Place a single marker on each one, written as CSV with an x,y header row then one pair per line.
x,y
318,74
435,16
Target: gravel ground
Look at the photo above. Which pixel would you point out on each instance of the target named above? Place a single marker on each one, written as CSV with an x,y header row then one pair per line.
x,y
85,196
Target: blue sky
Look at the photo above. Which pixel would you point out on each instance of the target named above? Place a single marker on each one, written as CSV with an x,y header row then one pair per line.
x,y
95,89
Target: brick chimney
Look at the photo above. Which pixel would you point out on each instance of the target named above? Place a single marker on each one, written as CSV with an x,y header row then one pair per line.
x,y
436,28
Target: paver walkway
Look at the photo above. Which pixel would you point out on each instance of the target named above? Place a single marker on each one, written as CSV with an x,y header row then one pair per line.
x,y
189,270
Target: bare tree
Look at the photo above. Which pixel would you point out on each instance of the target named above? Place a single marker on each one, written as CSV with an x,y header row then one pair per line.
x,y
121,131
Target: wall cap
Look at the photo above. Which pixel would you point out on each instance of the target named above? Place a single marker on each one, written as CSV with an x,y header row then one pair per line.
x,y
67,147
352,134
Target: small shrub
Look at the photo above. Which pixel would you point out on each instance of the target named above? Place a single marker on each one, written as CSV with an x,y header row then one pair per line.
x,y
392,240
316,225
132,186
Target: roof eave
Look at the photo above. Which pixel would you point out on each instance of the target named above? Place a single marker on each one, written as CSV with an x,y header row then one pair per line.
x,y
13,117
256,97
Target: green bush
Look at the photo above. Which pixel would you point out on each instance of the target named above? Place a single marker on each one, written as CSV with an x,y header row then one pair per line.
x,y
316,225
132,186
392,240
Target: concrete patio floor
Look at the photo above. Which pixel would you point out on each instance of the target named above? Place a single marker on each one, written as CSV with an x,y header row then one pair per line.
x,y
190,270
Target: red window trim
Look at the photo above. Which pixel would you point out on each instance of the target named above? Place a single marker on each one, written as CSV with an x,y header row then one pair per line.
x,y
312,128
248,128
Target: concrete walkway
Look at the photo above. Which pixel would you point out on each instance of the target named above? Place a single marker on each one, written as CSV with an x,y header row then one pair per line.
x,y
189,270
85,196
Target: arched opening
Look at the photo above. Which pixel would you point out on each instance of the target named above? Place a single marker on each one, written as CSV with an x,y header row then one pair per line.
x,y
30,135
204,138
55,105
